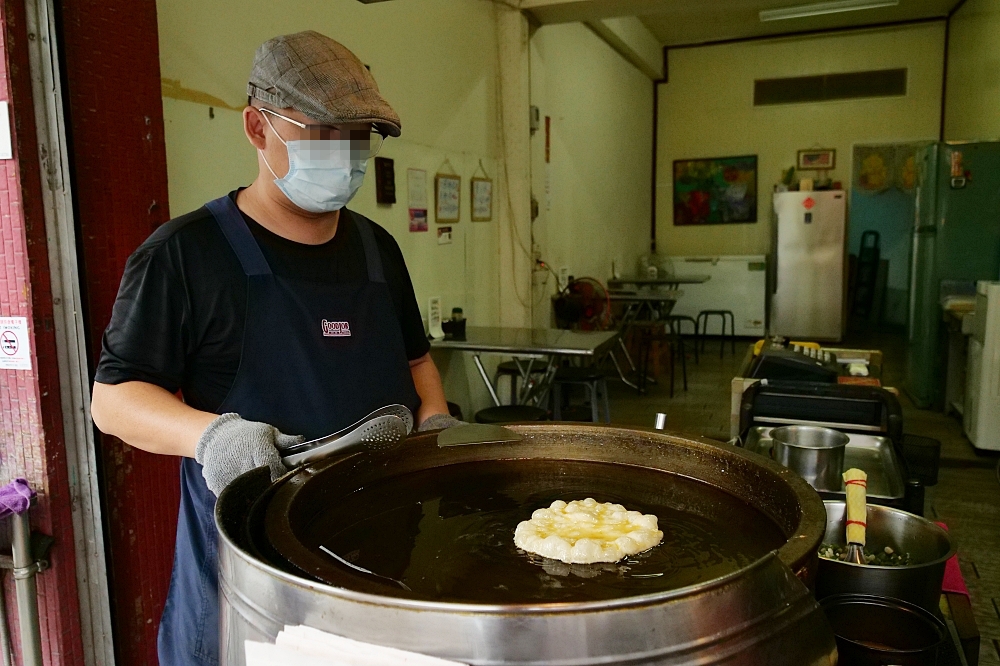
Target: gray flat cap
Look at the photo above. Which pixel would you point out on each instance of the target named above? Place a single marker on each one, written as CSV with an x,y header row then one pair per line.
x,y
312,73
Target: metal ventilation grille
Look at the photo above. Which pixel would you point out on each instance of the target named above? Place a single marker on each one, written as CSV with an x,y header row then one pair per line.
x,y
829,87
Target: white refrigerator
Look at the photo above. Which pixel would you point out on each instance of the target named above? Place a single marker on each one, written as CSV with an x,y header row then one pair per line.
x,y
981,416
809,277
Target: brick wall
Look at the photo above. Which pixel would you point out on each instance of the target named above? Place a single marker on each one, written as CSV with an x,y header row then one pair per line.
x,y
31,437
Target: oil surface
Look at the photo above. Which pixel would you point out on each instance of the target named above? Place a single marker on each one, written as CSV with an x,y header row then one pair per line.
x,y
448,533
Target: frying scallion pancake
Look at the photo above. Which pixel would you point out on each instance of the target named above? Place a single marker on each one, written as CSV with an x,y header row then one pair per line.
x,y
585,532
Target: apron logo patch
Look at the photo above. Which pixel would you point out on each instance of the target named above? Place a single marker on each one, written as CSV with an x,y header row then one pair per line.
x,y
336,329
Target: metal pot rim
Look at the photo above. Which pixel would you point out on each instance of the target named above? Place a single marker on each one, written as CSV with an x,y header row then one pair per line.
x,y
842,440
952,548
794,549
874,600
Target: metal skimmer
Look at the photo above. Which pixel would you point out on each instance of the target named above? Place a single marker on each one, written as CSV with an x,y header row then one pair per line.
x,y
377,434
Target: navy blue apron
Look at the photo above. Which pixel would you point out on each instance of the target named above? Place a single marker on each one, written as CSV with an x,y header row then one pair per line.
x,y
315,358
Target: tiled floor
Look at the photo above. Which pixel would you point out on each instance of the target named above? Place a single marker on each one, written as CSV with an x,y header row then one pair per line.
x,y
967,496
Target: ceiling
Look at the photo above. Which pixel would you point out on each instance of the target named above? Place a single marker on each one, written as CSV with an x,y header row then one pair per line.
x,y
677,22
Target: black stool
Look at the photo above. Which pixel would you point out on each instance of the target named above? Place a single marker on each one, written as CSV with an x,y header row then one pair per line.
x,y
510,369
676,323
723,314
511,414
590,378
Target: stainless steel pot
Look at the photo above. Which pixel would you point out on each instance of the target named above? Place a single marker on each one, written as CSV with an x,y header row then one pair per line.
x,y
761,613
815,453
928,545
872,631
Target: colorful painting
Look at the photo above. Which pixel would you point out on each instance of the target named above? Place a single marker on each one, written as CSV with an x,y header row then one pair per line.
x,y
715,191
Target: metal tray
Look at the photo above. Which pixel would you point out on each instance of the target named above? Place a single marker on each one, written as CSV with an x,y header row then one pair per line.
x,y
875,455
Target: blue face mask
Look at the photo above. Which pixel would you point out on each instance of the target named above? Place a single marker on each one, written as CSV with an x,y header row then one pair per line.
x,y
323,174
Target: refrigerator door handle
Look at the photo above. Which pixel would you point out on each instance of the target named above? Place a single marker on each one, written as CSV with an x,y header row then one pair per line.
x,y
774,251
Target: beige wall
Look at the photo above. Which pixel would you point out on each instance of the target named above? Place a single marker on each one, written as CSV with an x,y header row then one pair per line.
x,y
706,110
598,204
973,98
437,62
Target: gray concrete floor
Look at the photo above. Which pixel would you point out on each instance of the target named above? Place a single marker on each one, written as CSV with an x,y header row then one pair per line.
x,y
966,497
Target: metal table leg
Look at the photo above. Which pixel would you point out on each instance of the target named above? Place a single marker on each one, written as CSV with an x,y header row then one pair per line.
x,y
618,367
628,357
486,379
628,316
540,389
526,380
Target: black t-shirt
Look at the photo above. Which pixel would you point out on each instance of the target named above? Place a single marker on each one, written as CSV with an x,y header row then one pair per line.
x,y
179,317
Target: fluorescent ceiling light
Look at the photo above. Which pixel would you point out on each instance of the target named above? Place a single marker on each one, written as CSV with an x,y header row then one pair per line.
x,y
820,8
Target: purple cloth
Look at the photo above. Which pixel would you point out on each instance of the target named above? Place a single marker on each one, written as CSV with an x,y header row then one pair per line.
x,y
15,497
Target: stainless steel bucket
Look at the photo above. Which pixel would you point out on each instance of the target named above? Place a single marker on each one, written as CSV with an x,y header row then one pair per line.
x,y
760,614
814,453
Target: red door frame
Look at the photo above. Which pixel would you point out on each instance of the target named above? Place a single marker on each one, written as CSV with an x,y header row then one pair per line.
x,y
115,116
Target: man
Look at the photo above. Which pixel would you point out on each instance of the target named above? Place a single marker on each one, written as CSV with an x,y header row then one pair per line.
x,y
275,311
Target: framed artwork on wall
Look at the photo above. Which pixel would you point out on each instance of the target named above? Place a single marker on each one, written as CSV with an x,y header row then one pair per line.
x,y
482,199
721,190
447,189
385,181
817,159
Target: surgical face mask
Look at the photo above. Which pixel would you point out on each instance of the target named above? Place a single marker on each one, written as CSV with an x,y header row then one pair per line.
x,y
323,174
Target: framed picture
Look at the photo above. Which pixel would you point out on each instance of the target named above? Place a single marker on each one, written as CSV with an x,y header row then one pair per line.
x,y
385,181
721,190
482,199
817,159
446,195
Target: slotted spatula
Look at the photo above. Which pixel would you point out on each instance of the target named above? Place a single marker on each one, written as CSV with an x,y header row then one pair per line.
x,y
476,433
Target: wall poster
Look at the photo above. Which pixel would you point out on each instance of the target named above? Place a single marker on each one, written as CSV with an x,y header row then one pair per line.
x,y
416,198
15,350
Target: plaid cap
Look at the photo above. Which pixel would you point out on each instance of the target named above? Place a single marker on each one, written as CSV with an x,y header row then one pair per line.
x,y
312,73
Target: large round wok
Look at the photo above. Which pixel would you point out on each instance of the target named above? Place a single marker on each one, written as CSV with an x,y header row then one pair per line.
x,y
413,549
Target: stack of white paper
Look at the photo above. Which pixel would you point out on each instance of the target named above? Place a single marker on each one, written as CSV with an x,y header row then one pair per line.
x,y
304,646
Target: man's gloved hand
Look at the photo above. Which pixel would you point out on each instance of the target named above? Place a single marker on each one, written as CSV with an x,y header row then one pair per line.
x,y
439,422
231,446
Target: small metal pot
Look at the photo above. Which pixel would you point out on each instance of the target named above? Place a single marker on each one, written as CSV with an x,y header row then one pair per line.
x,y
872,631
814,453
927,544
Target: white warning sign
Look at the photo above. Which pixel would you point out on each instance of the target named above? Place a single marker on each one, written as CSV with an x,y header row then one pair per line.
x,y
15,353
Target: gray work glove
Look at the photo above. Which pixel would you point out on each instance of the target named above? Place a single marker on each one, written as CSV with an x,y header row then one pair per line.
x,y
439,422
231,446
